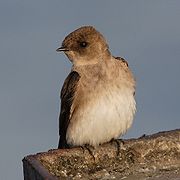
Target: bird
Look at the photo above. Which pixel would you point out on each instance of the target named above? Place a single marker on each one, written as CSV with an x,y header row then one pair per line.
x,y
98,96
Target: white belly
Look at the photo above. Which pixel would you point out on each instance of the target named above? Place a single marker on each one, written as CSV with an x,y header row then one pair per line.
x,y
107,116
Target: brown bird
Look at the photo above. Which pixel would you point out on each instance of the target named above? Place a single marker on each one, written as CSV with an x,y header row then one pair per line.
x,y
97,98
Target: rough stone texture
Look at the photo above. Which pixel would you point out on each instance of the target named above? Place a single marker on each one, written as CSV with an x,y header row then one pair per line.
x,y
148,157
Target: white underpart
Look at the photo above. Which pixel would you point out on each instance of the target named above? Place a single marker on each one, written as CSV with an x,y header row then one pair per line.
x,y
108,116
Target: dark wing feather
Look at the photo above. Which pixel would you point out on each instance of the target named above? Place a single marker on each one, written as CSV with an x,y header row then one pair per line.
x,y
67,94
123,60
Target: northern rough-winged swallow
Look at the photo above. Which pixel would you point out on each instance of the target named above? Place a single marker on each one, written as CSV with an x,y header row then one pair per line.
x,y
97,98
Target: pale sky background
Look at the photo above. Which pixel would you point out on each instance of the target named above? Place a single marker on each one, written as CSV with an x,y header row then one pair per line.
x,y
145,33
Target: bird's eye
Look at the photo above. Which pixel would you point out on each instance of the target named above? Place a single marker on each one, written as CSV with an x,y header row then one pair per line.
x,y
83,44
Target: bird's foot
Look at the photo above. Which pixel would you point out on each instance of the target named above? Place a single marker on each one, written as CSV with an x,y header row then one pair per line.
x,y
117,143
89,149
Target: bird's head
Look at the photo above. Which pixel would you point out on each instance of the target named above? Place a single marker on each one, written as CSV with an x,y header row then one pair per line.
x,y
84,46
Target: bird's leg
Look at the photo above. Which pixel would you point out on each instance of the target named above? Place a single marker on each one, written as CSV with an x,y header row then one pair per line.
x,y
117,144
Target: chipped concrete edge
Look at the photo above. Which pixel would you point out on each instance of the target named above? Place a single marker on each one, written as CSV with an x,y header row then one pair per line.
x,y
33,168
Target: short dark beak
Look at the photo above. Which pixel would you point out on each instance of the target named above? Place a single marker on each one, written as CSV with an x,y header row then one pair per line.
x,y
61,49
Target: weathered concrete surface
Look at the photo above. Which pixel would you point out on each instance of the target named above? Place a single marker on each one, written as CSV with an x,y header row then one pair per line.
x,y
148,157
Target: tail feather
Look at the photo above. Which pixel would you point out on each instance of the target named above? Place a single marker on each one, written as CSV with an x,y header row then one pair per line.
x,y
62,143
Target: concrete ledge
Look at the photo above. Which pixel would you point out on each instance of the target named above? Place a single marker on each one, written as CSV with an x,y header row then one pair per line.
x,y
154,156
